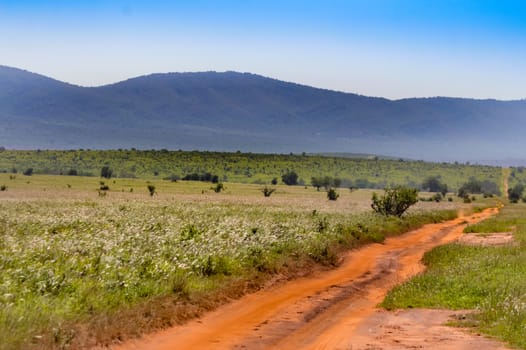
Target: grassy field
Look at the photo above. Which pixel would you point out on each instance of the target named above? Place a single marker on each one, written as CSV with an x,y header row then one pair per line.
x,y
490,280
78,268
244,167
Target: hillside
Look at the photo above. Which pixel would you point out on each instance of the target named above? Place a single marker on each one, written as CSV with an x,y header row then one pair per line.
x,y
231,111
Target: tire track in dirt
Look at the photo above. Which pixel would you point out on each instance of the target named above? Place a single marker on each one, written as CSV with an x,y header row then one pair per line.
x,y
318,312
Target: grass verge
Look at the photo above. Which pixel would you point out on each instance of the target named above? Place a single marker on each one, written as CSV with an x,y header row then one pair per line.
x,y
490,280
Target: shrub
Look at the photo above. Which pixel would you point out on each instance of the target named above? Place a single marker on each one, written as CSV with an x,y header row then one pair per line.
x,y
433,184
437,197
395,201
274,181
515,193
218,188
72,172
267,191
206,177
106,172
290,178
3,188
28,172
172,178
151,189
332,195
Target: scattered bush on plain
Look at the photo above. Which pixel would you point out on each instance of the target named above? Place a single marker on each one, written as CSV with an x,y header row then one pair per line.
x,y
395,201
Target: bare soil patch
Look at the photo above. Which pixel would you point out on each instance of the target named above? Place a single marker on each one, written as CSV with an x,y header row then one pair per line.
x,y
487,239
418,329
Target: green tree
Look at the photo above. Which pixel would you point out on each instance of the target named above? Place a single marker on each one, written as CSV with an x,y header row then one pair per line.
x,y
106,172
515,193
433,184
332,195
290,178
395,201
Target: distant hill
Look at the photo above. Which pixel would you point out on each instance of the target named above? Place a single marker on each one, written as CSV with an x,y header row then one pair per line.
x,y
231,111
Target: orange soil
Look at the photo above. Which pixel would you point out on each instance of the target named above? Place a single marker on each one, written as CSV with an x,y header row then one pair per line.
x,y
323,311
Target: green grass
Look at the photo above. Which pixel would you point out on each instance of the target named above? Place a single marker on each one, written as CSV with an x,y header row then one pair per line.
x,y
490,280
71,260
245,167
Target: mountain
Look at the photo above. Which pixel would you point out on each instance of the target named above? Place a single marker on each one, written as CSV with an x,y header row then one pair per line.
x,y
242,111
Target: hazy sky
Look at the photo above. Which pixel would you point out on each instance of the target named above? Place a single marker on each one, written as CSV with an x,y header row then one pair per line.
x,y
390,48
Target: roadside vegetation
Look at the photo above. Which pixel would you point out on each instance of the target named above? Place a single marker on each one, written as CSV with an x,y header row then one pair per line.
x,y
79,268
488,279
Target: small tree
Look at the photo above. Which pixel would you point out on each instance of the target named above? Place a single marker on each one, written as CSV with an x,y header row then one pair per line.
x,y
395,201
332,195
106,172
433,184
218,188
515,193
290,178
151,189
267,191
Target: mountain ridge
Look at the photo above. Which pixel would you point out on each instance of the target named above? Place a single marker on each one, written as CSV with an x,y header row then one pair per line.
x,y
245,111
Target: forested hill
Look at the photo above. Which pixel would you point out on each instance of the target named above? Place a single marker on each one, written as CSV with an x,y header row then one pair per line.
x,y
231,111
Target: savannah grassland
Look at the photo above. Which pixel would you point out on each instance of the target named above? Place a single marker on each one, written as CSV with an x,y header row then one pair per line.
x,y
78,268
247,168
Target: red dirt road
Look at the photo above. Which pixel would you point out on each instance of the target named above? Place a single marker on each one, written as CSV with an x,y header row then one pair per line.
x,y
327,310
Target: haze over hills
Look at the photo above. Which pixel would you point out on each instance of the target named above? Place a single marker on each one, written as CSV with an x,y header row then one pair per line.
x,y
241,111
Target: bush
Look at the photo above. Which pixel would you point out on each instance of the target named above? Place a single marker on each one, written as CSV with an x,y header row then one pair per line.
x,y
151,189
433,184
274,181
332,195
28,172
515,193
290,178
267,191
395,201
205,177
437,197
106,172
327,182
3,188
219,187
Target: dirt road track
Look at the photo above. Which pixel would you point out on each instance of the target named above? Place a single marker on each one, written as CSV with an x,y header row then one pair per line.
x,y
323,311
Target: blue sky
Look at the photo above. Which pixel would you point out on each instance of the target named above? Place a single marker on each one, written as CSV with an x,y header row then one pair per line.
x,y
389,48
